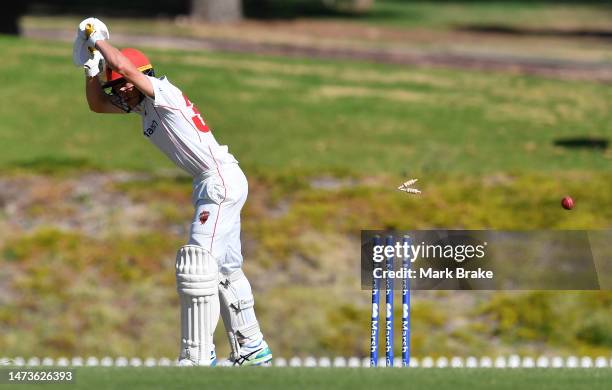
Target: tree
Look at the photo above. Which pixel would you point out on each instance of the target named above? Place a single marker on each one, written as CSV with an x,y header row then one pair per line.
x,y
217,11
9,18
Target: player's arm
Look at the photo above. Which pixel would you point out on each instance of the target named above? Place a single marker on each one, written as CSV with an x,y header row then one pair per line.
x,y
97,99
122,65
91,60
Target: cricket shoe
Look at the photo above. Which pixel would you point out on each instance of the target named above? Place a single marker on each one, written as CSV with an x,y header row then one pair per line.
x,y
188,362
258,355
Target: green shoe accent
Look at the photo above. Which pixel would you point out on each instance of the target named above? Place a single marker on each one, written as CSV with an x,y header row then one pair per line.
x,y
260,358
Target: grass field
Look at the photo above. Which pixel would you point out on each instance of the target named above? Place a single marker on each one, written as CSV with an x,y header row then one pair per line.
x,y
395,119
445,14
349,378
324,144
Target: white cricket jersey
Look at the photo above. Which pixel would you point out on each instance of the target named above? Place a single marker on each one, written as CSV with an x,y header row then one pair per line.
x,y
176,127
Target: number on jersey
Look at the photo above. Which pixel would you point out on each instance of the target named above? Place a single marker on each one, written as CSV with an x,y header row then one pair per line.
x,y
197,119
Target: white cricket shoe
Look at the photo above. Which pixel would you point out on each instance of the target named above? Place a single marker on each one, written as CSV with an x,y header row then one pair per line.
x,y
188,362
258,355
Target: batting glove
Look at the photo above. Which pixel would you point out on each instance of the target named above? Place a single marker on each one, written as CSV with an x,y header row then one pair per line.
x,y
92,30
93,66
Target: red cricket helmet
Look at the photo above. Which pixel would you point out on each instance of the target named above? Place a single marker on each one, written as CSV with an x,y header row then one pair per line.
x,y
137,58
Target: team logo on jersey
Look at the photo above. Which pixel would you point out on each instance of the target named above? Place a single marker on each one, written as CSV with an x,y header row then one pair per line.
x,y
204,216
150,130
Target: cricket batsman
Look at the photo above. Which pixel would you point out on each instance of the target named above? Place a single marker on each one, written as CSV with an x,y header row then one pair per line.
x,y
209,273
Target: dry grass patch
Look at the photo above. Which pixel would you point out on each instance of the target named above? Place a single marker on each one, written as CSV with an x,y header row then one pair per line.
x,y
339,91
265,82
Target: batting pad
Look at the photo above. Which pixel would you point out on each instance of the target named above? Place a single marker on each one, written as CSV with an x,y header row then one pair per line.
x,y
237,310
197,281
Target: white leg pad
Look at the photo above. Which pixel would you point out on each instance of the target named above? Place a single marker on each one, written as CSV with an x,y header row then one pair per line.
x,y
197,280
237,310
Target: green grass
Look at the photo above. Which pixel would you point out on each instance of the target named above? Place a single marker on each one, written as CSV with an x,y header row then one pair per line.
x,y
277,113
482,144
335,378
449,14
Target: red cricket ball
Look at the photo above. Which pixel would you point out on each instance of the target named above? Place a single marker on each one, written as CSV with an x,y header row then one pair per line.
x,y
567,203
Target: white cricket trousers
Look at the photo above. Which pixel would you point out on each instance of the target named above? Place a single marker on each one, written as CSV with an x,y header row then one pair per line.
x,y
218,197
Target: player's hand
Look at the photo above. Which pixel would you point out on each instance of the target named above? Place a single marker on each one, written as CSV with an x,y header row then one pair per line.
x,y
92,30
89,31
94,65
